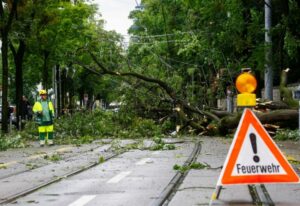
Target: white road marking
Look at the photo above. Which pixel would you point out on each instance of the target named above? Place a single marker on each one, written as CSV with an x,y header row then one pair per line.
x,y
143,161
83,200
118,177
156,152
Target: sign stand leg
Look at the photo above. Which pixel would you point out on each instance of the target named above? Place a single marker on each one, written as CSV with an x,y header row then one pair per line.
x,y
215,194
218,191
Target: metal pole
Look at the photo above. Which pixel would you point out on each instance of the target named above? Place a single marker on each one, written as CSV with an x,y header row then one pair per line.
x,y
268,52
59,89
54,88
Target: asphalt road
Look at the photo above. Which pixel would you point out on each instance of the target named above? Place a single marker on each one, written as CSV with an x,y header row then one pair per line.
x,y
133,178
199,185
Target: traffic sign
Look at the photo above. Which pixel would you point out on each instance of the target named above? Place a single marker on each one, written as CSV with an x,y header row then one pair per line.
x,y
254,157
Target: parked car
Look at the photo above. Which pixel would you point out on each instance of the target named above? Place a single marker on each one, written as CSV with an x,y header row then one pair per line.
x,y
11,114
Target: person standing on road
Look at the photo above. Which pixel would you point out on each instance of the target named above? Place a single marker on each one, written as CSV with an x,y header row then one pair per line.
x,y
44,113
25,108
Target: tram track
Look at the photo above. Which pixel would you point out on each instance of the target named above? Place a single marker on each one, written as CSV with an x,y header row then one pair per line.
x,y
43,164
11,198
260,195
28,191
109,153
170,190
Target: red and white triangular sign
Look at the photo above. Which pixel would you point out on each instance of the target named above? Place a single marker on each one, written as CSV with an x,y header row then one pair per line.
x,y
254,157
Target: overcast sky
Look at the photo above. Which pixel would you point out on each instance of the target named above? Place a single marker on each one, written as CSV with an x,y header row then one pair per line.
x,y
115,13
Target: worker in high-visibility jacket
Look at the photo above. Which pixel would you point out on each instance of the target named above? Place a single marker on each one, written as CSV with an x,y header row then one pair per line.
x,y
44,113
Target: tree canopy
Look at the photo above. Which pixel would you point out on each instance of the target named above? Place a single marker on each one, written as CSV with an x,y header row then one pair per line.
x,y
180,51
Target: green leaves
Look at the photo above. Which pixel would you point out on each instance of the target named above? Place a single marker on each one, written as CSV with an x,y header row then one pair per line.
x,y
291,45
53,157
194,165
287,135
160,144
84,128
15,141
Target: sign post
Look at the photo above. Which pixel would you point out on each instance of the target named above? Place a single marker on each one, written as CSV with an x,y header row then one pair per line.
x,y
253,157
246,85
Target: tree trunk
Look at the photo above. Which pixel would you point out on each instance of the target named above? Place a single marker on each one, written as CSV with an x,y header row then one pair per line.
x,y
63,89
5,26
45,74
285,93
18,58
283,118
4,51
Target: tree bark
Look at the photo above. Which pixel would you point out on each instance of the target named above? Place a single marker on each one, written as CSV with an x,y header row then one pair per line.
x,y
287,117
283,118
4,51
18,58
63,89
5,26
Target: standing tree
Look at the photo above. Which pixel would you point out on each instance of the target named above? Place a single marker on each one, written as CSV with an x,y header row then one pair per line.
x,y
7,13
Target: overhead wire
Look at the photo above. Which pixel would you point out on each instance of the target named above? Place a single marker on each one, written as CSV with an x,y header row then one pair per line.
x,y
169,41
163,35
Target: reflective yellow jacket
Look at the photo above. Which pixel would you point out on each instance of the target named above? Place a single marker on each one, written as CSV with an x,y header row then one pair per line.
x,y
38,108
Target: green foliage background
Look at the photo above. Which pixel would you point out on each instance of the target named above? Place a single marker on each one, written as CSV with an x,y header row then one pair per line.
x,y
196,47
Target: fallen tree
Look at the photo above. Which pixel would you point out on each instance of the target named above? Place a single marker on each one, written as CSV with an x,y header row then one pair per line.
x,y
282,118
201,120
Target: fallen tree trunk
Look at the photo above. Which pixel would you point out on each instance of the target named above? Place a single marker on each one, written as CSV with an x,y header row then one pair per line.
x,y
288,117
272,105
221,114
283,118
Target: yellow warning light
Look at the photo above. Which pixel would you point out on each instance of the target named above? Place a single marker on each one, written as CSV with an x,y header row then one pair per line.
x,y
246,83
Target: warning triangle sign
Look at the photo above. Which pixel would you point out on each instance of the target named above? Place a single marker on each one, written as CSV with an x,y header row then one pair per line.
x,y
254,157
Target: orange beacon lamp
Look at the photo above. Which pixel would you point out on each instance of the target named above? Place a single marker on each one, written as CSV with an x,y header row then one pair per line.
x,y
246,85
